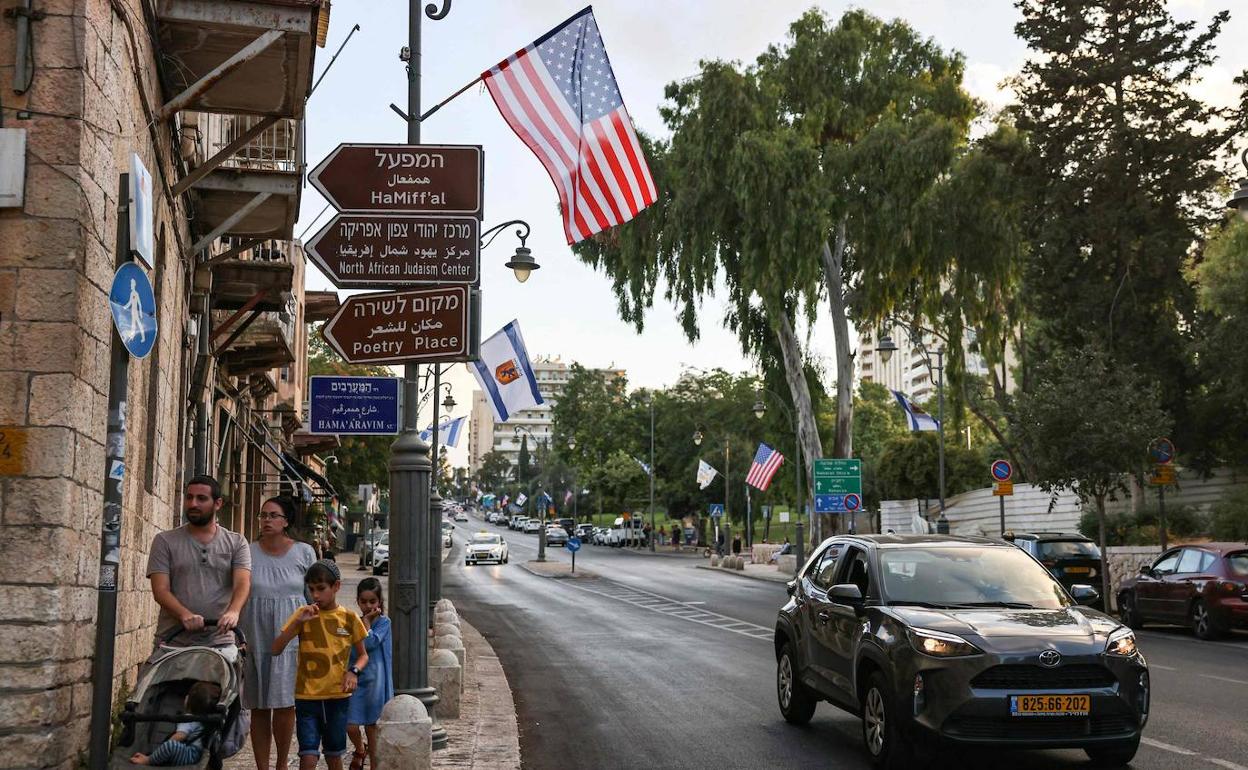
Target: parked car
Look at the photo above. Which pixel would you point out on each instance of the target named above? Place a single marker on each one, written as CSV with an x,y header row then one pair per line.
x,y
626,532
502,519
532,526
367,544
1071,558
486,546
517,523
1204,586
447,530
381,554
556,535
461,516
568,525
600,536
945,641
584,532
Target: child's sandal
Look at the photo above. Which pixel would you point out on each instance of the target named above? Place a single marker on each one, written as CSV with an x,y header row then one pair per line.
x,y
357,760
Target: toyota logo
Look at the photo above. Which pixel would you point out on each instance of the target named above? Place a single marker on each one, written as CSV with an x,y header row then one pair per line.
x,y
1050,658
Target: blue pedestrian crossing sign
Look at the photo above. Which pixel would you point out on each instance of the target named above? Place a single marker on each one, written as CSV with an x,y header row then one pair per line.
x,y
133,306
717,510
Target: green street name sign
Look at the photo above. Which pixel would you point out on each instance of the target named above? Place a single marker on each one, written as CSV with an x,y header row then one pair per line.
x,y
838,477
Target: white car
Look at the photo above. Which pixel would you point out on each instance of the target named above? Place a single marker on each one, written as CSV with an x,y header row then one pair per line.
x,y
517,523
556,535
486,546
461,516
447,529
381,554
532,526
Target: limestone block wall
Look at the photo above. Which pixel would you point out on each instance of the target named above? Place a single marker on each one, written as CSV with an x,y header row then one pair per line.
x,y
1124,561
94,87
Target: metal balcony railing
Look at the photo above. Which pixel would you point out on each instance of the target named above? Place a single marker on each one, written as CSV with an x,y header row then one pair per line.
x,y
277,148
272,250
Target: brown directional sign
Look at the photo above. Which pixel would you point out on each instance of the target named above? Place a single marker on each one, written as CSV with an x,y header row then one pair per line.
x,y
402,178
429,325
358,250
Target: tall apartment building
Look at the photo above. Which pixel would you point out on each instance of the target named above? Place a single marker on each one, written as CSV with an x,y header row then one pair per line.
x,y
907,370
537,423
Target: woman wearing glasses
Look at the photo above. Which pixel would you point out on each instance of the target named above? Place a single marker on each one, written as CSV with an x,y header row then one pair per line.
x,y
278,564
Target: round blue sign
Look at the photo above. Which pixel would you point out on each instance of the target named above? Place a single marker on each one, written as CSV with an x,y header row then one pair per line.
x,y
1163,451
852,502
133,306
574,544
1002,470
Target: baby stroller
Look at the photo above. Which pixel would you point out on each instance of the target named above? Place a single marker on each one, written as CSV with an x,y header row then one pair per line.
x,y
157,703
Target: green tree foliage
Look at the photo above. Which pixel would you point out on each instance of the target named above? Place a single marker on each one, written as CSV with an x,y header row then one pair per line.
x,y
494,472
877,421
361,459
1087,423
1122,172
909,468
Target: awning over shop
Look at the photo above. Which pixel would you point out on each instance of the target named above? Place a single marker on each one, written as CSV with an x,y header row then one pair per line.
x,y
327,490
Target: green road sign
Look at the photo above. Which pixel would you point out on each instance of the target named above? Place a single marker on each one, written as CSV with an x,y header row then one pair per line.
x,y
838,477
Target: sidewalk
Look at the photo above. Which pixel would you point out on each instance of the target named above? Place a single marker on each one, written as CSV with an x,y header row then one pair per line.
x,y
766,572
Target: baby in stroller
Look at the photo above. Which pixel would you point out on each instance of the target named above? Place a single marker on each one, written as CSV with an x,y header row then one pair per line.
x,y
185,746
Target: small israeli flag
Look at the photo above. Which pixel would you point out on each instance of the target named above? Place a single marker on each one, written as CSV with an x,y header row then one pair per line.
x,y
448,432
504,373
915,416
706,474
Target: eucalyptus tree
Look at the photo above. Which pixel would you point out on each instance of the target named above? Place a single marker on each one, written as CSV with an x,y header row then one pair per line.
x,y
792,181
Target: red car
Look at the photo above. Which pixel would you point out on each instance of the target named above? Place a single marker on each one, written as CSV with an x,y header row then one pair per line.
x,y
1203,586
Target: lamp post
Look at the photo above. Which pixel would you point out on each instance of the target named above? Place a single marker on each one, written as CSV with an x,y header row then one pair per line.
x,y
697,441
576,481
1239,200
435,498
760,409
522,263
651,473
886,347
541,531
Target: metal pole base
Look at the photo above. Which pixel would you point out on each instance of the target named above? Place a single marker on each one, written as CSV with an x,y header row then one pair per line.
x,y
429,699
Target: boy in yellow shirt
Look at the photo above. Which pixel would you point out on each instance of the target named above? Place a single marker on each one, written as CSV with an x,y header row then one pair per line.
x,y
324,681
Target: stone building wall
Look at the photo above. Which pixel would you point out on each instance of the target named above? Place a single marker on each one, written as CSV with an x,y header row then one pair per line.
x,y
95,87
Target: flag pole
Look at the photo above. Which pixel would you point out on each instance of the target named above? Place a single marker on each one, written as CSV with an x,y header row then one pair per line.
x,y
445,101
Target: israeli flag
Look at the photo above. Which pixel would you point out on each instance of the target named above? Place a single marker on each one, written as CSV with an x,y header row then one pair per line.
x,y
504,373
521,499
706,474
644,467
448,432
915,416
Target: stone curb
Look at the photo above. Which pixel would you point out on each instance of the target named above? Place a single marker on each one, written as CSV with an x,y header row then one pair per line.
x,y
487,734
555,574
780,577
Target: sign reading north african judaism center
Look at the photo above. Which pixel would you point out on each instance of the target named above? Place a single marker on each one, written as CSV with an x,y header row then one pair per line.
x,y
369,250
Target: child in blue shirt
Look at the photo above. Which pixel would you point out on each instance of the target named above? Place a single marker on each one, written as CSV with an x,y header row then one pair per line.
x,y
185,745
376,685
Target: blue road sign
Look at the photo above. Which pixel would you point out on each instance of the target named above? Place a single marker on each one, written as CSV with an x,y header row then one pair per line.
x,y
1163,451
1002,470
133,305
717,510
349,406
837,503
574,544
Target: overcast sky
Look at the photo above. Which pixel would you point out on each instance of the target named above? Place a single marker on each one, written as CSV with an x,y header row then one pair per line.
x,y
565,308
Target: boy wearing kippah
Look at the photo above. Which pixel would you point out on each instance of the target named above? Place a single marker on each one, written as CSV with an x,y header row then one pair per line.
x,y
324,681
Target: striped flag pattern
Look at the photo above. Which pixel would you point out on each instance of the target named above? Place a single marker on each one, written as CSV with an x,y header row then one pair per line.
x,y
561,98
766,462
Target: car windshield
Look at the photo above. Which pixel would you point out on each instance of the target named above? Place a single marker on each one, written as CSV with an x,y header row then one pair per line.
x,y
1238,563
383,538
1048,550
486,539
967,576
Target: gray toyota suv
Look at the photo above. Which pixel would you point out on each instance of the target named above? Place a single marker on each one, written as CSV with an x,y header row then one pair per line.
x,y
945,640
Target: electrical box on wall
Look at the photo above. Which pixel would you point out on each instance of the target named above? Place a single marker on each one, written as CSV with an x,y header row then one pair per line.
x,y
12,167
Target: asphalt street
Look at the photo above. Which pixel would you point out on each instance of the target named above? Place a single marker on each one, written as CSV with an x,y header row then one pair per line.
x,y
657,664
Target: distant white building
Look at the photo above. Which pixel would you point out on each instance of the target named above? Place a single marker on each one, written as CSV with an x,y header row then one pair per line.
x,y
907,369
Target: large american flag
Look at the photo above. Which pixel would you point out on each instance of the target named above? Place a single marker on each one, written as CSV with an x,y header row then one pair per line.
x,y
560,97
766,462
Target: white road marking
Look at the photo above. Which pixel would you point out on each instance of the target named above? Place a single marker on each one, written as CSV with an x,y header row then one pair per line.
x,y
1168,747
1193,640
1223,679
676,609
1163,668
1226,764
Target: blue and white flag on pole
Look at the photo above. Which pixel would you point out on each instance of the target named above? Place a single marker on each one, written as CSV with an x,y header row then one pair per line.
x,y
505,374
448,432
644,467
915,416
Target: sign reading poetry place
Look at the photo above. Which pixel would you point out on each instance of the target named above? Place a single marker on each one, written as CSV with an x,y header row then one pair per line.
x,y
420,325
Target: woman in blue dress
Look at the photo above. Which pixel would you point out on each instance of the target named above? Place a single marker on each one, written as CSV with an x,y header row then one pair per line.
x,y
376,685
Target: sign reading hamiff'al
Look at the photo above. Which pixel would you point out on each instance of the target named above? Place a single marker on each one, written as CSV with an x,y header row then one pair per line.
x,y
430,324
402,178
363,250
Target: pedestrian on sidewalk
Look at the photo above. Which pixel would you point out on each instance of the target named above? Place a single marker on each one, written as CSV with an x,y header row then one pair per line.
x,y
278,566
323,681
198,571
376,685
736,544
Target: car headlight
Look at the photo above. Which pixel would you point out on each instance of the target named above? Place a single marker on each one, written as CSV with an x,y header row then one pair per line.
x,y
1121,643
941,645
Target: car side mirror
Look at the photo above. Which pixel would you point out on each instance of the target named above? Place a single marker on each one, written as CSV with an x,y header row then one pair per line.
x,y
791,587
1084,594
1146,570
846,593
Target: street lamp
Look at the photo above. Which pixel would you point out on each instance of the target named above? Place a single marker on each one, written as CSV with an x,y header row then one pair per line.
x,y
886,347
1240,199
760,408
541,532
697,441
522,263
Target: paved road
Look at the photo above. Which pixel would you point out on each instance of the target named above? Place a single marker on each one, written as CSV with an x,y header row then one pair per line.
x,y
657,664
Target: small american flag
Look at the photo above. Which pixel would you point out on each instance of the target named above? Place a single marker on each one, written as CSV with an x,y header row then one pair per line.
x,y
560,97
766,462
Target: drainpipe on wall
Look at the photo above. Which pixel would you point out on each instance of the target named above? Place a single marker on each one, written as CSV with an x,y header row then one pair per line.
x,y
199,387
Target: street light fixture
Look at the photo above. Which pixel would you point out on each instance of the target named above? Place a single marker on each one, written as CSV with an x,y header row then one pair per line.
x,y
448,403
572,443
541,532
522,264
886,347
697,438
1240,199
760,408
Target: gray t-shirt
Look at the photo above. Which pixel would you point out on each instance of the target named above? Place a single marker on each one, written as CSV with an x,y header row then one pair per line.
x,y
201,576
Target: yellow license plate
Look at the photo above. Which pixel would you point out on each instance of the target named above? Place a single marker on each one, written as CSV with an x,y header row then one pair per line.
x,y
1050,705
1078,570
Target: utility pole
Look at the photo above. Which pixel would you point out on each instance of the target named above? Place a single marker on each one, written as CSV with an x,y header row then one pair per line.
x,y
652,529
410,483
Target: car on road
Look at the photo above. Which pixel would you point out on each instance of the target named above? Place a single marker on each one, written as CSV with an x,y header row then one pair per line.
x,y
568,525
381,554
1071,558
447,530
486,546
532,526
367,544
625,532
517,523
936,640
502,519
461,516
1204,586
600,536
584,532
556,535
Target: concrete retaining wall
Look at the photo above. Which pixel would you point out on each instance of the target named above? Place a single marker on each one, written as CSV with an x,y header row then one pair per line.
x,y
977,512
